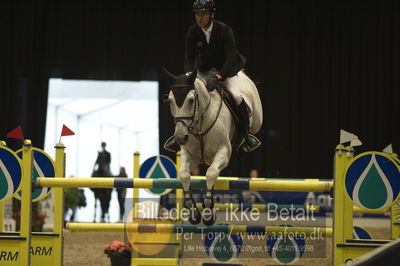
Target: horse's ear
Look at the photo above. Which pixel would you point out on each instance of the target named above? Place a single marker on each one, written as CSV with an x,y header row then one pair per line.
x,y
169,76
192,77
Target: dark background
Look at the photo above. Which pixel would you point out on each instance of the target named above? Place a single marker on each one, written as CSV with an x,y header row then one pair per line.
x,y
319,66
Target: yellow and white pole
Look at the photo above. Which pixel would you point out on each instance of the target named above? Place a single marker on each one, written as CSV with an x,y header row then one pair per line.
x,y
135,200
342,206
2,229
135,203
59,206
2,143
26,204
179,206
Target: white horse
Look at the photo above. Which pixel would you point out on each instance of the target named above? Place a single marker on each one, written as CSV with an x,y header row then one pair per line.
x,y
205,131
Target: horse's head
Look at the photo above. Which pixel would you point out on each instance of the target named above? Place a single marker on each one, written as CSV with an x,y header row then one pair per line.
x,y
183,102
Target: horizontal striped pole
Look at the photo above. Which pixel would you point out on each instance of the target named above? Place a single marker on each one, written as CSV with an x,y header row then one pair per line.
x,y
188,228
268,207
263,178
263,185
276,207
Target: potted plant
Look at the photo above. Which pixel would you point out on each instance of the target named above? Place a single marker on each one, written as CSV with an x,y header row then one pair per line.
x,y
38,222
119,253
37,217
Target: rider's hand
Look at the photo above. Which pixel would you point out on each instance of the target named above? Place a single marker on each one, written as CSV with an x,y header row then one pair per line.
x,y
212,84
218,76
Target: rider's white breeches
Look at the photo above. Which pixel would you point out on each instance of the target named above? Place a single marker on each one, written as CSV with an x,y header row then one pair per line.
x,y
231,85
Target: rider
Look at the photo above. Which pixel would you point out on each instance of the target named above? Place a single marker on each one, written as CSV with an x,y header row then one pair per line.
x,y
103,159
210,45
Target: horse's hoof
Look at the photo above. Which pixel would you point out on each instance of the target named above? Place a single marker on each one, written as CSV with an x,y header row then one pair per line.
x,y
209,216
190,205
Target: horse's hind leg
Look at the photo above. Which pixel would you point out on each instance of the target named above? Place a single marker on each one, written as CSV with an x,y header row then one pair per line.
x,y
221,160
188,201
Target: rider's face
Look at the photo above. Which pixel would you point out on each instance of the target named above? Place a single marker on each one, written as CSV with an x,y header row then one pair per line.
x,y
203,18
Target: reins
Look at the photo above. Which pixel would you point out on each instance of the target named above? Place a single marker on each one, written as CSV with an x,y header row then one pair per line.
x,y
199,135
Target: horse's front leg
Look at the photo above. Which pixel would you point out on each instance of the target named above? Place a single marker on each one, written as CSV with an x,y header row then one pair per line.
x,y
188,202
95,207
220,161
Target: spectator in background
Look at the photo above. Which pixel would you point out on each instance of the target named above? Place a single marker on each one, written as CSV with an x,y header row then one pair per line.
x,y
253,173
121,194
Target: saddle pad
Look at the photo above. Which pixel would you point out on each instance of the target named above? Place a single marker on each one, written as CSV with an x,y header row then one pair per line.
x,y
231,103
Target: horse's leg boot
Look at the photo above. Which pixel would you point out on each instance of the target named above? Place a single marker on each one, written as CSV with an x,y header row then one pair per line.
x,y
190,204
250,141
209,215
171,145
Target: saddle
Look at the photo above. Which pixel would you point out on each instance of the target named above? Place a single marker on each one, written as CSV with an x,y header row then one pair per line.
x,y
231,103
233,108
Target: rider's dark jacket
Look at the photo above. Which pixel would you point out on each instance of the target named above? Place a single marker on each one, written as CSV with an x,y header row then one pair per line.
x,y
220,53
103,160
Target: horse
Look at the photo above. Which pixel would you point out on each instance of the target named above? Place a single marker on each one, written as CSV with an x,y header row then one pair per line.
x,y
101,194
205,131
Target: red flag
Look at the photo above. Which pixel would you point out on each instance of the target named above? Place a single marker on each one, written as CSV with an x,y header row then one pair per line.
x,y
16,133
66,131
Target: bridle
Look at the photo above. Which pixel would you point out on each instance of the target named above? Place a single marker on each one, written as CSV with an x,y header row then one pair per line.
x,y
191,126
182,119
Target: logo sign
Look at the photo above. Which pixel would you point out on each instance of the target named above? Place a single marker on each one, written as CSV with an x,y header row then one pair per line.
x,y
285,249
43,166
361,233
158,167
223,247
10,173
372,180
396,159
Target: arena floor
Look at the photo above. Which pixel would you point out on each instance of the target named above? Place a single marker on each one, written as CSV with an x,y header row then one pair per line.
x,y
87,248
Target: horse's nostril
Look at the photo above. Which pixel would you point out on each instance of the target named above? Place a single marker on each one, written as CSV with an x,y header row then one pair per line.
x,y
181,140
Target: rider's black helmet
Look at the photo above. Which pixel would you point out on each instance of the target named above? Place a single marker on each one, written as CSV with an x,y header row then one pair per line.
x,y
204,5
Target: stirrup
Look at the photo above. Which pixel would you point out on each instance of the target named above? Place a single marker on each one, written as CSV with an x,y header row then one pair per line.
x,y
171,145
251,143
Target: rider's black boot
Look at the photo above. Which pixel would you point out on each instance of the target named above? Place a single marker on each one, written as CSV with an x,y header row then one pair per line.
x,y
171,145
250,141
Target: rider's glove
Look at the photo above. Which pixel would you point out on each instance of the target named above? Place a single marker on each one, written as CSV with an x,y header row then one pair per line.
x,y
212,84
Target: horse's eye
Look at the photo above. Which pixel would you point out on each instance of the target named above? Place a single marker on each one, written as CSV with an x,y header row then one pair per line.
x,y
191,100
